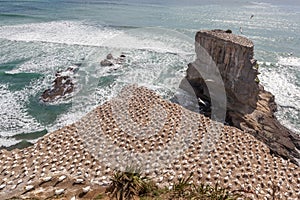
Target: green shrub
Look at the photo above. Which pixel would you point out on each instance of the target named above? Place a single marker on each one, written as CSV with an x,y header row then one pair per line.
x,y
181,188
126,185
207,192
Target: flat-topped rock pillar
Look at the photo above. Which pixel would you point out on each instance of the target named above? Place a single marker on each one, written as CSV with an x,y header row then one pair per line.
x,y
249,107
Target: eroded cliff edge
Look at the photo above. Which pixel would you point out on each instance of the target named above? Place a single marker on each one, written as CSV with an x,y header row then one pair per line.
x,y
249,106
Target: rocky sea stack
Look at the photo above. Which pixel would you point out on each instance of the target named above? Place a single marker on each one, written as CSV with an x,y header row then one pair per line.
x,y
249,106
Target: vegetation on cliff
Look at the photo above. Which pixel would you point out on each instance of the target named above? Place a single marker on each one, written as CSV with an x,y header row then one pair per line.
x,y
131,184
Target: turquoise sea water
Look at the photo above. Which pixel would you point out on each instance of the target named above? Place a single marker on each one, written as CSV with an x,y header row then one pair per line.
x,y
39,37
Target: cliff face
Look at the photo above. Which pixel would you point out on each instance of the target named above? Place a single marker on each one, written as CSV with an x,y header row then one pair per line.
x,y
233,56
249,107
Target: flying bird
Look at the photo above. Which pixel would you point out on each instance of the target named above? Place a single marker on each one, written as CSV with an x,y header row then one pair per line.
x,y
202,102
241,30
251,16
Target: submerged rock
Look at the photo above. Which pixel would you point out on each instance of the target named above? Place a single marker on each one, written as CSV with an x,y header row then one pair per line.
x,y
249,106
106,62
109,56
111,61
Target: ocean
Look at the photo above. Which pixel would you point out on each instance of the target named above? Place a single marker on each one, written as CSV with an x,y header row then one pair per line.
x,y
40,37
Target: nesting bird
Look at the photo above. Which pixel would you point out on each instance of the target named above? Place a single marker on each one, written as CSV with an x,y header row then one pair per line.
x,y
162,137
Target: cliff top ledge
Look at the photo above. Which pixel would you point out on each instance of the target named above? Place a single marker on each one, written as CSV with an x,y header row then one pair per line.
x,y
227,36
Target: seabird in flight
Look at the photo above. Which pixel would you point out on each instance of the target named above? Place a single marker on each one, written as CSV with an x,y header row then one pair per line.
x,y
241,30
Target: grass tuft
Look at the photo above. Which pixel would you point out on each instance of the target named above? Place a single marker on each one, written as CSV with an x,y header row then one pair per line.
x,y
131,184
128,184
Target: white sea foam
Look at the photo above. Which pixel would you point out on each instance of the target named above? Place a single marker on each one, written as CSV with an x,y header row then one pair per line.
x,y
289,61
7,142
261,4
66,32
46,46
80,33
281,84
280,79
14,118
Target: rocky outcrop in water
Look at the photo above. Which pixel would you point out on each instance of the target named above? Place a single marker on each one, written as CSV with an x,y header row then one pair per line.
x,y
249,106
62,85
111,61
